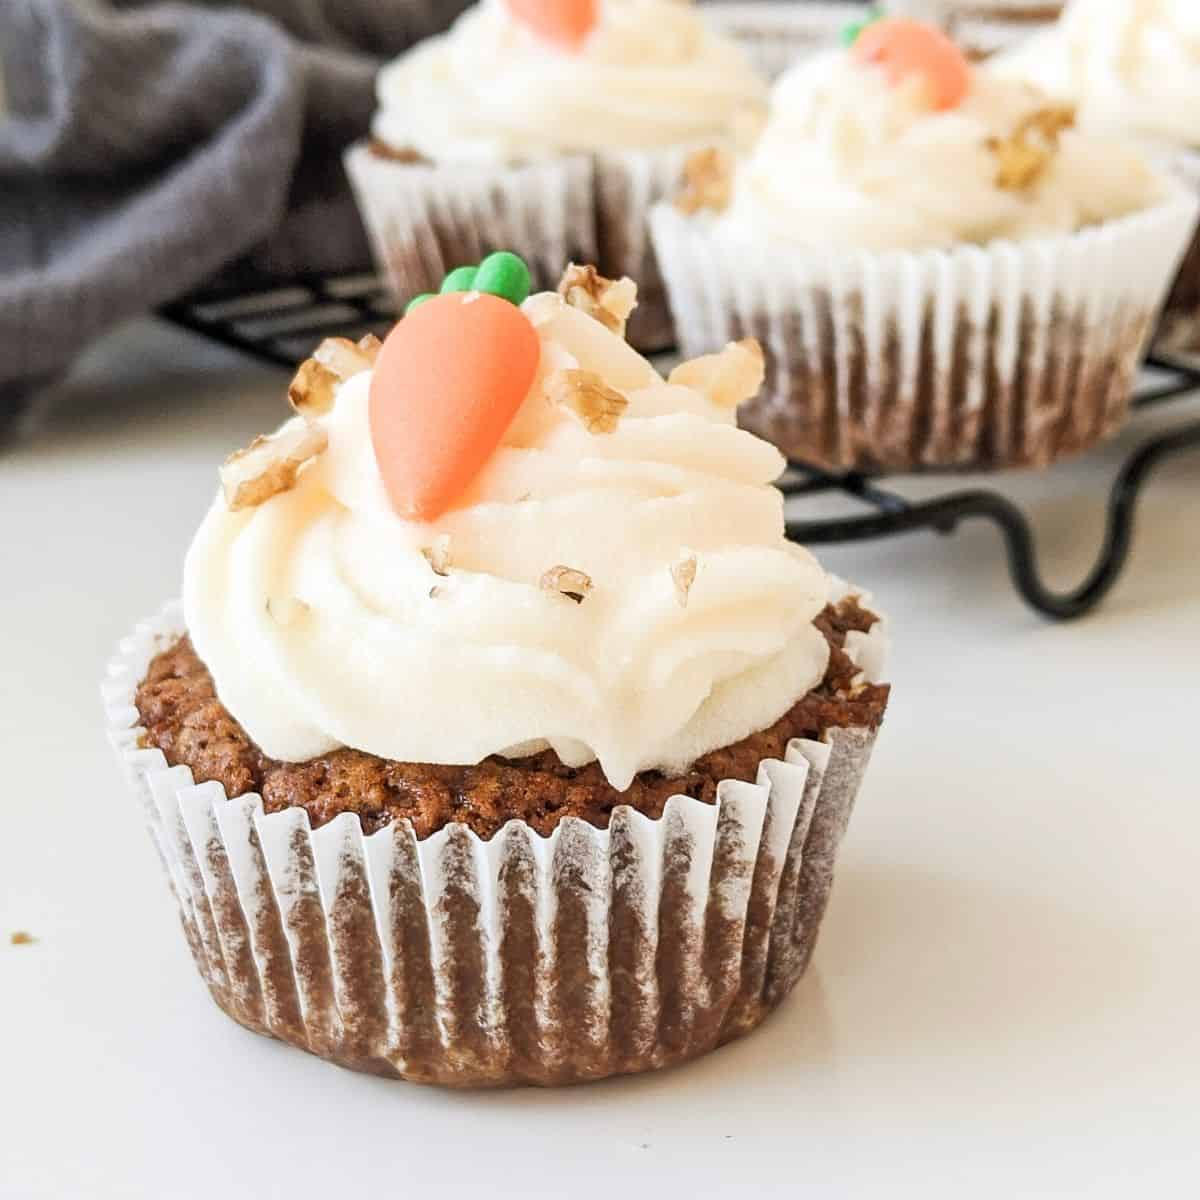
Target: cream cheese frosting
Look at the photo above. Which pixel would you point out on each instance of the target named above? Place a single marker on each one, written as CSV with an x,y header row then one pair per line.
x,y
650,75
324,623
850,161
1131,66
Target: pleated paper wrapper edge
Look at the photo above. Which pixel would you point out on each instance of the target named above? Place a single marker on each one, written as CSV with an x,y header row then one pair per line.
x,y
776,36
425,219
518,960
1179,328
1008,354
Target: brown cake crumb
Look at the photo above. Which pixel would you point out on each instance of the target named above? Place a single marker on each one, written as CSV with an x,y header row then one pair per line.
x,y
407,154
185,720
21,938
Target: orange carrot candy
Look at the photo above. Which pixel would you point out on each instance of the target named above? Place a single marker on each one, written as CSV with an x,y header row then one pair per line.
x,y
448,382
566,23
904,48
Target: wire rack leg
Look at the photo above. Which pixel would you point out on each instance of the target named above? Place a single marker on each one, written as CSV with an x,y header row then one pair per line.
x,y
945,513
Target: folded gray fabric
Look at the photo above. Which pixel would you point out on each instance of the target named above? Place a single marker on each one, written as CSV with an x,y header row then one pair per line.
x,y
149,147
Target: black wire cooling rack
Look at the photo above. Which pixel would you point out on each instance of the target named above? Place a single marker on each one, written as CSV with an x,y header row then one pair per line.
x,y
281,323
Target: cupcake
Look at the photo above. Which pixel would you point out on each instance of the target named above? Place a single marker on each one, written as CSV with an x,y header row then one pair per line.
x,y
775,36
1132,70
943,270
549,127
981,27
501,737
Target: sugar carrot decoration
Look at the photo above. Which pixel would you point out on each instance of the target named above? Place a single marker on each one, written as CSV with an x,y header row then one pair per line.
x,y
448,382
566,23
905,48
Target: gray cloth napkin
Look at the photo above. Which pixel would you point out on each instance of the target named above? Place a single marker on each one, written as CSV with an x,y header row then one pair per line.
x,y
146,148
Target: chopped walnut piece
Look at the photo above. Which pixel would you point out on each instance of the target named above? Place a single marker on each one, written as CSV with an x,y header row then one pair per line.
x,y
609,301
707,181
597,406
21,938
683,575
269,465
287,610
335,360
1024,155
311,391
568,582
346,358
438,555
728,378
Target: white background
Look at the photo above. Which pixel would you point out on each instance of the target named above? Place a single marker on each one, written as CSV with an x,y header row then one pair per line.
x,y
1005,1001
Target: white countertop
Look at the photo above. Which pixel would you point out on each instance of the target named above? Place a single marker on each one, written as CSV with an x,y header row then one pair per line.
x,y
1006,997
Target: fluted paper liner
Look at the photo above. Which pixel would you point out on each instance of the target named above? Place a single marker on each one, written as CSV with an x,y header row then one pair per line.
x,y
1009,354
774,36
1179,329
425,219
523,959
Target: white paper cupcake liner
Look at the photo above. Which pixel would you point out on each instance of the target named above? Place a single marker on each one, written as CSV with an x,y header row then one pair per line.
x,y
628,186
425,219
981,28
1010,354
523,959
775,35
1179,329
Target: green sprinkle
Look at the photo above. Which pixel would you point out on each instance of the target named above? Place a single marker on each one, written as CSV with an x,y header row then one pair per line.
x,y
504,274
851,33
417,301
461,279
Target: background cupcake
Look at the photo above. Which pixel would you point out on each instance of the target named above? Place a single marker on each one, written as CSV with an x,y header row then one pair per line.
x,y
502,736
981,27
776,35
1132,70
942,269
549,128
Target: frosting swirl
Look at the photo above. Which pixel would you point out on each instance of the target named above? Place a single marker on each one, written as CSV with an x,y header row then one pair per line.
x,y
1132,66
324,624
851,161
650,75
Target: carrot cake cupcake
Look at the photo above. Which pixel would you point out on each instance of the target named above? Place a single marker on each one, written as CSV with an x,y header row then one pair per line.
x,y
548,127
501,736
943,268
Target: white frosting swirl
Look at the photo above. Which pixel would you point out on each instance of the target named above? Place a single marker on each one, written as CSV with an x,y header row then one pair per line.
x,y
1132,66
651,75
314,611
848,160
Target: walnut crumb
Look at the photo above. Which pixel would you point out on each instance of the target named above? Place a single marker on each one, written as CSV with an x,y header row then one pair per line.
x,y
598,406
311,391
567,581
21,938
609,301
336,359
683,575
438,555
728,378
269,465
287,610
707,181
1023,156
